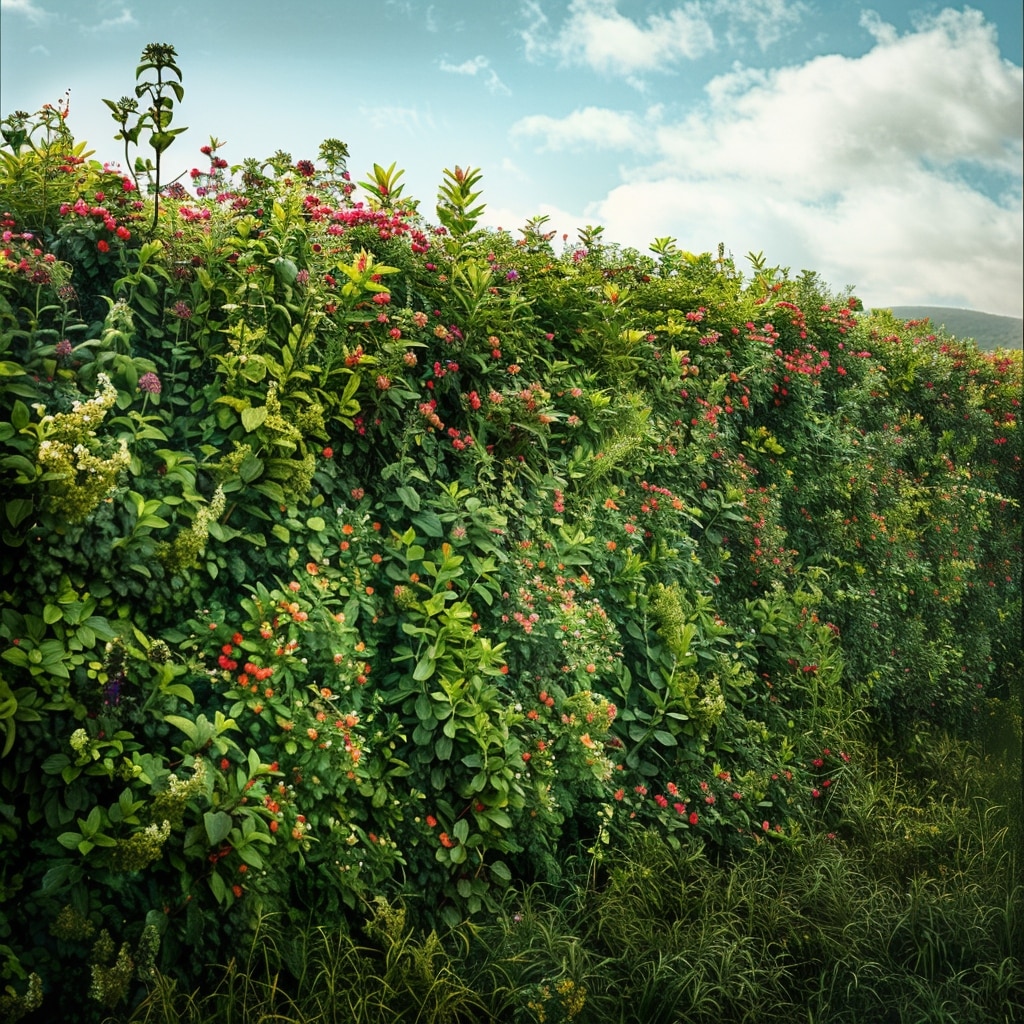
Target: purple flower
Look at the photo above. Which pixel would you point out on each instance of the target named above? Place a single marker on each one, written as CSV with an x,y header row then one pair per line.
x,y
182,311
512,275
150,383
63,348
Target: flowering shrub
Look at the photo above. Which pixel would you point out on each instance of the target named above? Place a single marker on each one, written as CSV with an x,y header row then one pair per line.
x,y
349,556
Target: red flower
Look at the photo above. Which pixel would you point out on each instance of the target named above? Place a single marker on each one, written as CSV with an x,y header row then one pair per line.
x,y
102,246
431,820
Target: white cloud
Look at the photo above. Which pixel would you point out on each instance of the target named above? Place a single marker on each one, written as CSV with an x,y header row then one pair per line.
x,y
478,65
28,8
882,31
512,219
597,35
125,19
510,167
591,127
768,20
391,119
857,167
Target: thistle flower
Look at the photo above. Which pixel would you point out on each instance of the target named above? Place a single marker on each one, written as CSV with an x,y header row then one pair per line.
x,y
150,383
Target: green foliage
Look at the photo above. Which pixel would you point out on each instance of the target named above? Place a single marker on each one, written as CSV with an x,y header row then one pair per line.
x,y
349,562
909,911
156,118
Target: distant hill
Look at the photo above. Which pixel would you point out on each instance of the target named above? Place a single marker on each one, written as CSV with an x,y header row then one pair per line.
x,y
987,329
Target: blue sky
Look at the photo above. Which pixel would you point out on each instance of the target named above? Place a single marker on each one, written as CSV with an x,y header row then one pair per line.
x,y
879,144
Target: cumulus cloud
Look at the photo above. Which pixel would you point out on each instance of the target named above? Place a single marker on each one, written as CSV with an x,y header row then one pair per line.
x,y
766,20
559,220
597,35
125,19
591,128
478,65
865,168
27,9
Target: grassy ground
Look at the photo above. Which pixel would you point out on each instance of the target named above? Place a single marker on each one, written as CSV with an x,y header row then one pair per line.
x,y
909,911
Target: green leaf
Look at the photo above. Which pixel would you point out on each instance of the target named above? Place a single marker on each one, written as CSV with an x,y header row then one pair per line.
x,y
186,725
55,764
429,523
250,856
424,668
17,510
218,888
500,871
424,709
254,418
218,826
410,499
19,415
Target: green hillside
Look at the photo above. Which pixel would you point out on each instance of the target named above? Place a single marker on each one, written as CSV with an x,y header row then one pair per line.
x,y
988,330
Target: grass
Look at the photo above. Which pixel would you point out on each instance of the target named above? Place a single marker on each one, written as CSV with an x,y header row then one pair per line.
x,y
909,912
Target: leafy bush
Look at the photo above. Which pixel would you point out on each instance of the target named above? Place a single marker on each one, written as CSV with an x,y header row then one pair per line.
x,y
349,558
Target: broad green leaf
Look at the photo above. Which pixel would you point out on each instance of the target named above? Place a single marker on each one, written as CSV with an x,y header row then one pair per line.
x,y
218,826
409,497
252,418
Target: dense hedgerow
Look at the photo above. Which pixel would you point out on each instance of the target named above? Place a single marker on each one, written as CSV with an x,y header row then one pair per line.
x,y
349,557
